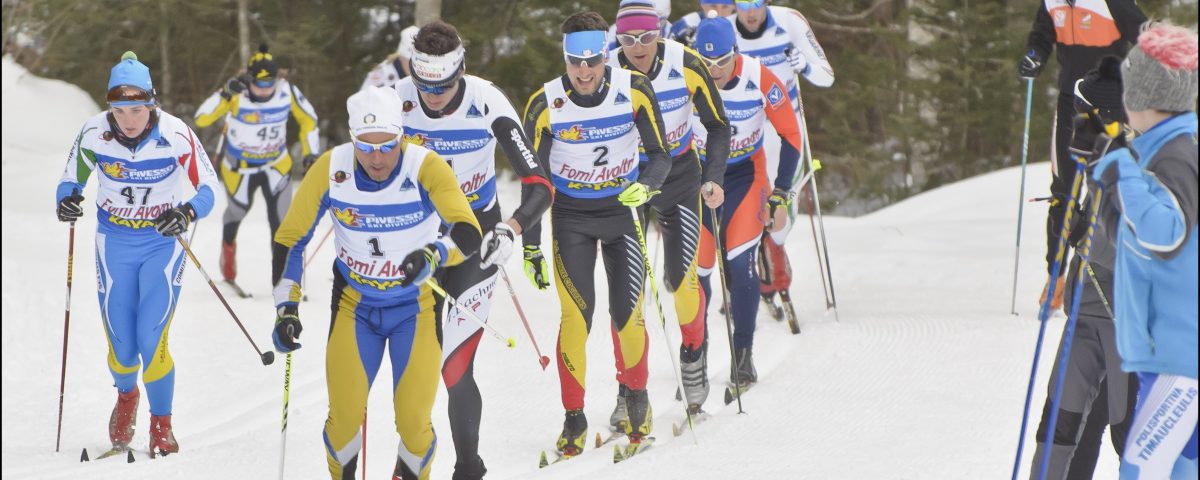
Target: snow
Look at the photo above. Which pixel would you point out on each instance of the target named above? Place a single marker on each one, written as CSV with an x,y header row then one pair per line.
x,y
923,377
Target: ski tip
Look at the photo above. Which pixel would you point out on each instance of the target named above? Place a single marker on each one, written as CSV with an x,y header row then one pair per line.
x,y
617,457
678,395
676,430
598,441
129,455
542,462
728,396
83,457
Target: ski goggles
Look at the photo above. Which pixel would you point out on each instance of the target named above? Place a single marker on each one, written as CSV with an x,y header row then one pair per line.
x,y
721,61
368,147
647,37
749,4
434,74
128,95
584,49
264,82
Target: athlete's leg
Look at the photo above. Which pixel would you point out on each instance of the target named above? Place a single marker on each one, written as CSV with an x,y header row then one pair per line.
x,y
278,195
1063,169
1085,371
574,270
1162,442
624,267
117,273
416,358
352,357
680,226
160,279
743,220
239,196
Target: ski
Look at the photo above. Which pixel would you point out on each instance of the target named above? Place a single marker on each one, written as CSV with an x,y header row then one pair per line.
x,y
622,454
112,452
732,392
776,310
236,289
612,435
678,428
544,461
790,311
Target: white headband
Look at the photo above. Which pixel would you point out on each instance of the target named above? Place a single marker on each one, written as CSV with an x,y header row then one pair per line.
x,y
437,70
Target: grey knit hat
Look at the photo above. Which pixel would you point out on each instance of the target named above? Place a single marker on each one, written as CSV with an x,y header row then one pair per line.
x,y
1160,72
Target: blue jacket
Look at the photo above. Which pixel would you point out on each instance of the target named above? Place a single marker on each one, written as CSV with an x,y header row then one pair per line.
x,y
1151,204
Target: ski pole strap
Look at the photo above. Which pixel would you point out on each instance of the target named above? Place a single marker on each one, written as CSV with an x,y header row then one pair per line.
x,y
511,342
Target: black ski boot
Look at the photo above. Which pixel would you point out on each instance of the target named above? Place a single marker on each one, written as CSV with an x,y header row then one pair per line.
x,y
570,442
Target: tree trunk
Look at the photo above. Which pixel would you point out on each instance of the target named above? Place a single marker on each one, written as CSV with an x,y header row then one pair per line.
x,y
164,50
427,11
244,32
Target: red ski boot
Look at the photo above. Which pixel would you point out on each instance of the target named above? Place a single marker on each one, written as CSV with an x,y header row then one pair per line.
x,y
123,419
162,440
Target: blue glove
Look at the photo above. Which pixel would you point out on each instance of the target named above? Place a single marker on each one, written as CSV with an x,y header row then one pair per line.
x,y
287,329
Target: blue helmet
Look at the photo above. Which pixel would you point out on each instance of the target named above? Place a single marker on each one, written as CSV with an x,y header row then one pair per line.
x,y
714,37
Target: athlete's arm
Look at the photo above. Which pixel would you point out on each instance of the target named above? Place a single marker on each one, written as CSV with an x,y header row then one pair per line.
x,y
295,231
213,108
536,193
778,107
708,105
819,72
80,163
463,236
306,118
648,119
537,129
200,172
1043,35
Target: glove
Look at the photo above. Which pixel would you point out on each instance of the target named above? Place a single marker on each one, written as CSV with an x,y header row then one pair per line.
x,y
287,329
779,198
1031,65
497,246
635,194
797,60
687,36
535,267
1086,130
419,265
175,221
69,209
308,161
235,86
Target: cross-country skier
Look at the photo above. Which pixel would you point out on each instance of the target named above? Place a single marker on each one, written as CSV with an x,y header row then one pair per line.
x,y
388,200
146,159
752,96
681,84
464,118
586,125
395,66
256,107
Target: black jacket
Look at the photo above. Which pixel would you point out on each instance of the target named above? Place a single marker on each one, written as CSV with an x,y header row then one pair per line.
x,y
1084,31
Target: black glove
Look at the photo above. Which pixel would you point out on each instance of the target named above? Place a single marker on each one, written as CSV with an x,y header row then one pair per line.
x,y
1078,227
287,329
235,86
1031,65
175,221
419,265
308,161
1086,128
69,209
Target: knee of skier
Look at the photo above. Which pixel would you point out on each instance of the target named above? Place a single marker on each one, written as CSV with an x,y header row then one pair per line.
x,y
1067,429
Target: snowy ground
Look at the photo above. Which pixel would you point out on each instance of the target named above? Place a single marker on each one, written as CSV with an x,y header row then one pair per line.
x,y
923,377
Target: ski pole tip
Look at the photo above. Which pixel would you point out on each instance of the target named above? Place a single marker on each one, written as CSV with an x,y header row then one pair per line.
x,y
268,358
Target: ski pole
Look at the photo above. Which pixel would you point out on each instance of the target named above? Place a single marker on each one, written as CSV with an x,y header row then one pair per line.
x,y
1021,204
287,387
62,380
510,341
542,359
1044,312
1085,252
737,377
319,245
267,357
814,165
637,226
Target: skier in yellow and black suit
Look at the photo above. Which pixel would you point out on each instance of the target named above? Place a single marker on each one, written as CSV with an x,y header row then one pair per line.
x,y
256,107
593,117
388,200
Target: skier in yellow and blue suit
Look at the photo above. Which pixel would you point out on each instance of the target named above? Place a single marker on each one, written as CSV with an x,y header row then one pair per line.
x,y
388,200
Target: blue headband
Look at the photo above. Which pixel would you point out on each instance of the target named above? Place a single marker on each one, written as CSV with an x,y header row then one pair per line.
x,y
586,44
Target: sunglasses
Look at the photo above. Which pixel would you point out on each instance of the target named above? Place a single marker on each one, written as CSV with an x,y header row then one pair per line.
x,y
749,4
264,83
645,38
721,61
585,61
127,93
368,147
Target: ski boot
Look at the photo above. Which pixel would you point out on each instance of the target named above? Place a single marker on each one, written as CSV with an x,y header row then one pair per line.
x,y
693,365
745,367
123,419
574,434
641,416
620,416
471,470
162,440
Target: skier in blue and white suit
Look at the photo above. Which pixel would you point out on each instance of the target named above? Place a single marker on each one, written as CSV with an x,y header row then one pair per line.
x,y
147,159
